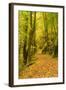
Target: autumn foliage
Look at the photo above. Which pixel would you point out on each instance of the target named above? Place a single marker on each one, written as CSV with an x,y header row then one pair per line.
x,y
38,44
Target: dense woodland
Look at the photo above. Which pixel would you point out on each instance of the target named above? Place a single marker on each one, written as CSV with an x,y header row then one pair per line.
x,y
38,34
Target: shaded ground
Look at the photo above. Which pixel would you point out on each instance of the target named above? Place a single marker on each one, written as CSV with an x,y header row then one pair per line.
x,y
44,66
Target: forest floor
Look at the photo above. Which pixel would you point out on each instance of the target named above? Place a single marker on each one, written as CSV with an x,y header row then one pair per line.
x,y
43,67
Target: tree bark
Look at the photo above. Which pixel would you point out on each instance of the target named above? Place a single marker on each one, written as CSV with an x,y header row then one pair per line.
x,y
25,52
30,38
34,33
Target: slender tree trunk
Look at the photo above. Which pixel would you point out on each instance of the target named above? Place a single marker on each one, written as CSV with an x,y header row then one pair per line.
x,y
55,37
34,33
25,52
30,38
45,48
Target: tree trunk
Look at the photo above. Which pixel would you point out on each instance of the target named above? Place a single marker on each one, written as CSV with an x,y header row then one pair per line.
x,y
34,33
45,48
25,52
30,38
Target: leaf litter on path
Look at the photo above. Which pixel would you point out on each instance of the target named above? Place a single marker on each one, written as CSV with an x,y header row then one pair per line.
x,y
45,66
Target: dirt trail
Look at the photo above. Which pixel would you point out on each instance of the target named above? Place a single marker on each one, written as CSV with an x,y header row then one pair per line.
x,y
44,66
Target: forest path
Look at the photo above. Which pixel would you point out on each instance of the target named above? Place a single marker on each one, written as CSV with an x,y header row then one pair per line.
x,y
44,66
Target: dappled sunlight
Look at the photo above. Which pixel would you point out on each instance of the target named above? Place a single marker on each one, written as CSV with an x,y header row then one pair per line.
x,y
38,44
